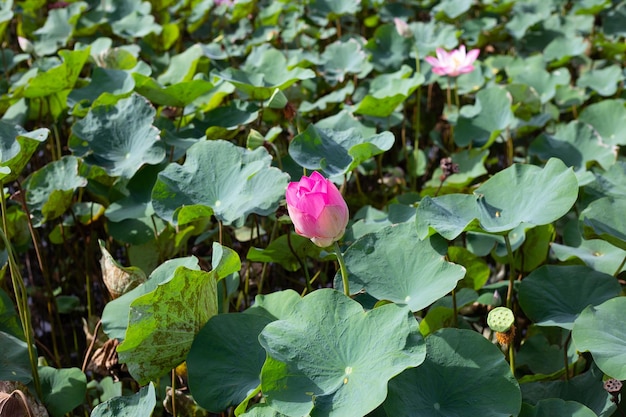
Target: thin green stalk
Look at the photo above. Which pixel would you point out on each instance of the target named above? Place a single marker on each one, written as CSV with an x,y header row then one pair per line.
x,y
509,251
512,358
307,279
21,296
509,296
565,358
344,271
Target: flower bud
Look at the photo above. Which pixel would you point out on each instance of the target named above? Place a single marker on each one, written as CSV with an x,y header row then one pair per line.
x,y
317,209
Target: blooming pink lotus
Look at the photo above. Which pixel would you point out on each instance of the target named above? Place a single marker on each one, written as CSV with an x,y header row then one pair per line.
x,y
317,209
453,63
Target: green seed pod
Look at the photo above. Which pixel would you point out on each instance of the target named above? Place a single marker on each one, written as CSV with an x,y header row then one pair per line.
x,y
500,319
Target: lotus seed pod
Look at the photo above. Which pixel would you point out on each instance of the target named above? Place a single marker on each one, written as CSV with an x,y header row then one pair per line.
x,y
500,319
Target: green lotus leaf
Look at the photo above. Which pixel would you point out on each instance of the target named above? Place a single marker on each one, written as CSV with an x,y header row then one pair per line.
x,y
554,295
383,265
116,312
106,84
449,215
332,9
609,183
453,8
387,92
275,306
136,24
63,389
595,253
604,81
261,410
50,189
163,323
119,138
431,35
16,148
577,144
482,123
176,95
182,67
520,194
9,320
532,72
234,182
543,351
330,358
556,407
14,362
585,388
265,70
140,404
336,151
527,15
337,96
225,361
564,47
526,194
600,330
608,117
604,219
388,48
58,78
58,29
456,355
340,59
471,165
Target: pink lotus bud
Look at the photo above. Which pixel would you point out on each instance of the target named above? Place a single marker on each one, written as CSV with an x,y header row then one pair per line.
x,y
403,28
453,63
317,209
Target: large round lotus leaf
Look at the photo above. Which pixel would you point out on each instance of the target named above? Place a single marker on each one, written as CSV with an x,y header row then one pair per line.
x,y
601,331
604,219
61,77
595,253
336,151
555,295
104,82
116,312
394,264
177,95
464,375
261,410
140,404
449,215
608,117
526,194
14,361
225,360
388,48
331,358
63,389
340,59
387,91
556,407
162,324
233,181
50,189
275,306
428,36
585,388
604,81
264,71
483,121
577,144
119,138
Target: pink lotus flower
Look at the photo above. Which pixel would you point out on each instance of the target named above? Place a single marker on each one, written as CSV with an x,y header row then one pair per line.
x,y
317,209
453,63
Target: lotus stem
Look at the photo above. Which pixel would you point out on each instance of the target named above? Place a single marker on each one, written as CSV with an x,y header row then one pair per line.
x,y
344,271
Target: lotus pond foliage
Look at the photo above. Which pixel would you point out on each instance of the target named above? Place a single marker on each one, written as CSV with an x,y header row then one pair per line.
x,y
325,208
